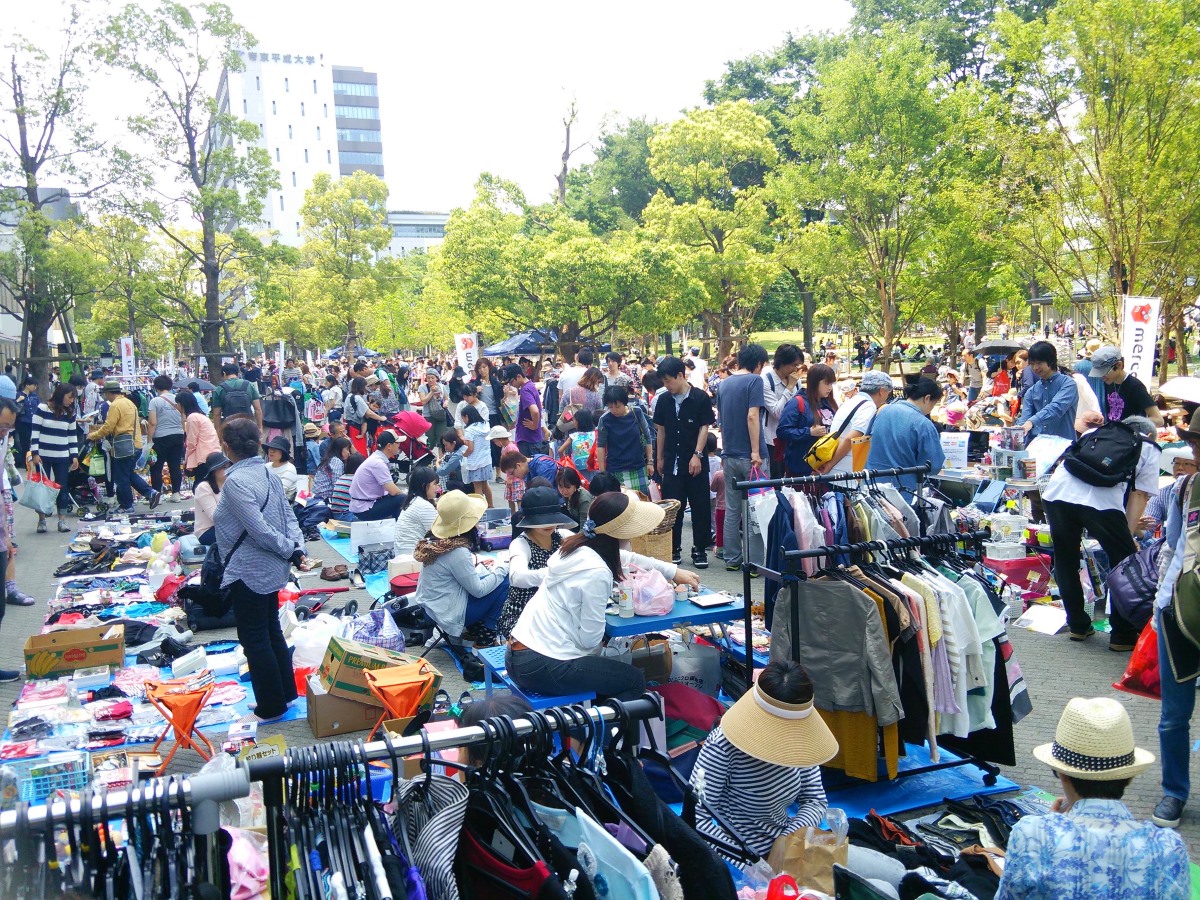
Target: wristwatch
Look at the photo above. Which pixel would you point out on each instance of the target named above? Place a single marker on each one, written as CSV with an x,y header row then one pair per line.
x,y
698,455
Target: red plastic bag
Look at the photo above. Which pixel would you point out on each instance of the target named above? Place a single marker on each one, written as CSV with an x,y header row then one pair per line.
x,y
1142,674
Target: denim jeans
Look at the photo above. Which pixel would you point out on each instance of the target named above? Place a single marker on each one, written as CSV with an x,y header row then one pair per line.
x,y
606,676
270,662
486,609
127,480
386,507
1174,738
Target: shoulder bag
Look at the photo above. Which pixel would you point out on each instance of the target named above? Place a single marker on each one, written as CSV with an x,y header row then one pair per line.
x,y
212,571
825,446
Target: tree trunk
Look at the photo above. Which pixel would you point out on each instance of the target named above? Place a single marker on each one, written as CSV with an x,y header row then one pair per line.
x,y
210,328
351,338
980,324
1181,343
888,309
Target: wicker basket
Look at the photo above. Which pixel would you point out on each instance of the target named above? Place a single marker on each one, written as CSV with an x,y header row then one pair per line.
x,y
657,543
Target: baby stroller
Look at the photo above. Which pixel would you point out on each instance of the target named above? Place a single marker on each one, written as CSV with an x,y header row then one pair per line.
x,y
408,427
84,489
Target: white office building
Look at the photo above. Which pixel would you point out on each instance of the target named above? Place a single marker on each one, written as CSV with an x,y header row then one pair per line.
x,y
415,231
312,116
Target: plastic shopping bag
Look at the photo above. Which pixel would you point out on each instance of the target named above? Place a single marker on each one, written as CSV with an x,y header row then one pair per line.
x,y
376,627
40,493
651,592
1142,674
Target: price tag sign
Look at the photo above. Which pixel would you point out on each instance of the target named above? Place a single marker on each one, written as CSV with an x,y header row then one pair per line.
x,y
954,445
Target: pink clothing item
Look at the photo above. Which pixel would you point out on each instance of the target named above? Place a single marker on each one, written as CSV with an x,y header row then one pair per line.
x,y
200,439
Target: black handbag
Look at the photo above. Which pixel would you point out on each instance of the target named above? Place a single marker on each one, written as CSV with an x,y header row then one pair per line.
x,y
213,598
374,558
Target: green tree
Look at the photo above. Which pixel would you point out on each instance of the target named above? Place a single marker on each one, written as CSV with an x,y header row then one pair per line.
x,y
177,51
124,294
712,164
47,147
1108,183
345,228
881,143
611,192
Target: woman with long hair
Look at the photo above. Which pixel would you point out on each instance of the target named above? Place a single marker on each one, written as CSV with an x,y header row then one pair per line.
x,y
419,509
356,412
199,435
331,467
555,642
807,418
210,477
54,446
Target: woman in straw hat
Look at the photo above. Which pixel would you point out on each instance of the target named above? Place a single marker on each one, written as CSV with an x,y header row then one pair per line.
x,y
460,593
555,641
1090,846
763,757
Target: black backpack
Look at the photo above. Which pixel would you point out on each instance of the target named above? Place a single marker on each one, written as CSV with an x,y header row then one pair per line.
x,y
1105,457
235,398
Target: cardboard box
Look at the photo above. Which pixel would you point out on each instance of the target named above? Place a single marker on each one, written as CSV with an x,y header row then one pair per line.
x,y
68,651
404,564
345,661
329,715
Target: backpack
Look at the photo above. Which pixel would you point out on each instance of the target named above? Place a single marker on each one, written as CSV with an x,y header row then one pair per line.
x,y
235,398
1181,620
278,411
1105,457
1133,582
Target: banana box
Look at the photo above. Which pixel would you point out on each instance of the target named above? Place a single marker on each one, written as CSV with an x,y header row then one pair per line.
x,y
81,648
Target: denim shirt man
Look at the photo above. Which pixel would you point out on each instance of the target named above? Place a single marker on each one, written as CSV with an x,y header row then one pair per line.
x,y
1050,406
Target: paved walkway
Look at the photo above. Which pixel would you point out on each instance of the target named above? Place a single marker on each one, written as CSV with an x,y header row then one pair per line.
x,y
1055,668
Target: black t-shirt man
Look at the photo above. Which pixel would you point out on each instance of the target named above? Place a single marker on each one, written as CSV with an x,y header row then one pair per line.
x,y
1128,398
681,421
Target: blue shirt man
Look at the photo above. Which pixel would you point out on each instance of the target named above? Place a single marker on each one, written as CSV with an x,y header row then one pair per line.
x,y
902,436
1049,406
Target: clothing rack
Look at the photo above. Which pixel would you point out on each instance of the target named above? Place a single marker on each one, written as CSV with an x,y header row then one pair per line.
x,y
202,793
745,487
931,541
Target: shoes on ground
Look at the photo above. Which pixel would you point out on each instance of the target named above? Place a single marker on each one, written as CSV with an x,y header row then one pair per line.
x,y
1083,637
1168,813
63,527
700,560
15,597
41,528
677,556
155,499
174,498
7,675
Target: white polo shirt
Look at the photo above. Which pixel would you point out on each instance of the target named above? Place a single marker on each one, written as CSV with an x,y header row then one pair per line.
x,y
1066,488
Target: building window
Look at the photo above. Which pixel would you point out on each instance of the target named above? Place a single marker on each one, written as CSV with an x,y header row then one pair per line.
x,y
273,110
244,108
276,154
302,109
289,132
286,89
357,112
430,231
363,159
314,85
306,154
328,156
257,83
293,179
357,134
297,228
355,90
260,131
281,202
318,132
326,107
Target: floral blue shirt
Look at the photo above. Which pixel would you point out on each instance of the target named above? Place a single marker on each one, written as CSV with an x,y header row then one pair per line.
x,y
1097,851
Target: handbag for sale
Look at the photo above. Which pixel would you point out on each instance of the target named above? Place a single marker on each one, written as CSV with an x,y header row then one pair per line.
x,y
374,558
376,627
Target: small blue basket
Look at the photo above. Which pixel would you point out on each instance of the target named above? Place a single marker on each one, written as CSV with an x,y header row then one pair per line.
x,y
38,778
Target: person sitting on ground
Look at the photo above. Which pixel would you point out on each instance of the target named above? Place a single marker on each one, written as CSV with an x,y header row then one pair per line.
x,y
499,705
279,464
543,526
576,498
420,509
330,467
1177,462
339,500
209,476
460,592
373,493
555,642
765,756
454,451
1090,846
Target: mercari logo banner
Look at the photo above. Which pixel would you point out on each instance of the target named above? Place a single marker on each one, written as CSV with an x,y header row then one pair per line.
x,y
1139,334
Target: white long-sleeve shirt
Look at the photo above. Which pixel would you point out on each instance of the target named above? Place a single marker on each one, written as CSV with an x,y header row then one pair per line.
x,y
565,618
776,395
519,573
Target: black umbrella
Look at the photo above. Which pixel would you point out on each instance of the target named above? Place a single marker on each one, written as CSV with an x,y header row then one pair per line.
x,y
998,345
182,384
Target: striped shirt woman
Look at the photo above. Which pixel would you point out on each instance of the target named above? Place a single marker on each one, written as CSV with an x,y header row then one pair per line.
x,y
54,445
753,796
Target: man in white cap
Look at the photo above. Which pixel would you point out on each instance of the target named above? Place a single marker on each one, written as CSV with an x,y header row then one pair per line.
x,y
1127,396
1176,462
1090,845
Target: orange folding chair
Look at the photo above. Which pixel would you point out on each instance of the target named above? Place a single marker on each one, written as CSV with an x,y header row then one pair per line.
x,y
180,709
401,689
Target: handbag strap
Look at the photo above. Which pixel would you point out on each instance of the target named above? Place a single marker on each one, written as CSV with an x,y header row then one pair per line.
x,y
850,418
242,536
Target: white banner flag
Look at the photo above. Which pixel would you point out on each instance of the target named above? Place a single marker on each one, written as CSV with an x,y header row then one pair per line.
x,y
466,348
1139,334
128,364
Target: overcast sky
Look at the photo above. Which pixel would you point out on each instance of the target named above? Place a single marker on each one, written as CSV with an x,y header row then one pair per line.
x,y
470,87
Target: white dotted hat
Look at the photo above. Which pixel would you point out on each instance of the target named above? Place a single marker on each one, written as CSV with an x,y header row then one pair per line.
x,y
1094,742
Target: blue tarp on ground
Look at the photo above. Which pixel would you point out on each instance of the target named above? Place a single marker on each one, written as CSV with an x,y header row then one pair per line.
x,y
524,344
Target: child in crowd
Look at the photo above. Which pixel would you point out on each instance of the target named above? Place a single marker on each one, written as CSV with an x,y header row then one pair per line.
x,y
501,437
577,498
603,483
450,471
716,491
339,502
578,445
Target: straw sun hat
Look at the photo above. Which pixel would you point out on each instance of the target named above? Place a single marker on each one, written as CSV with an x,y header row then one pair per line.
x,y
457,513
1094,742
638,518
787,734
